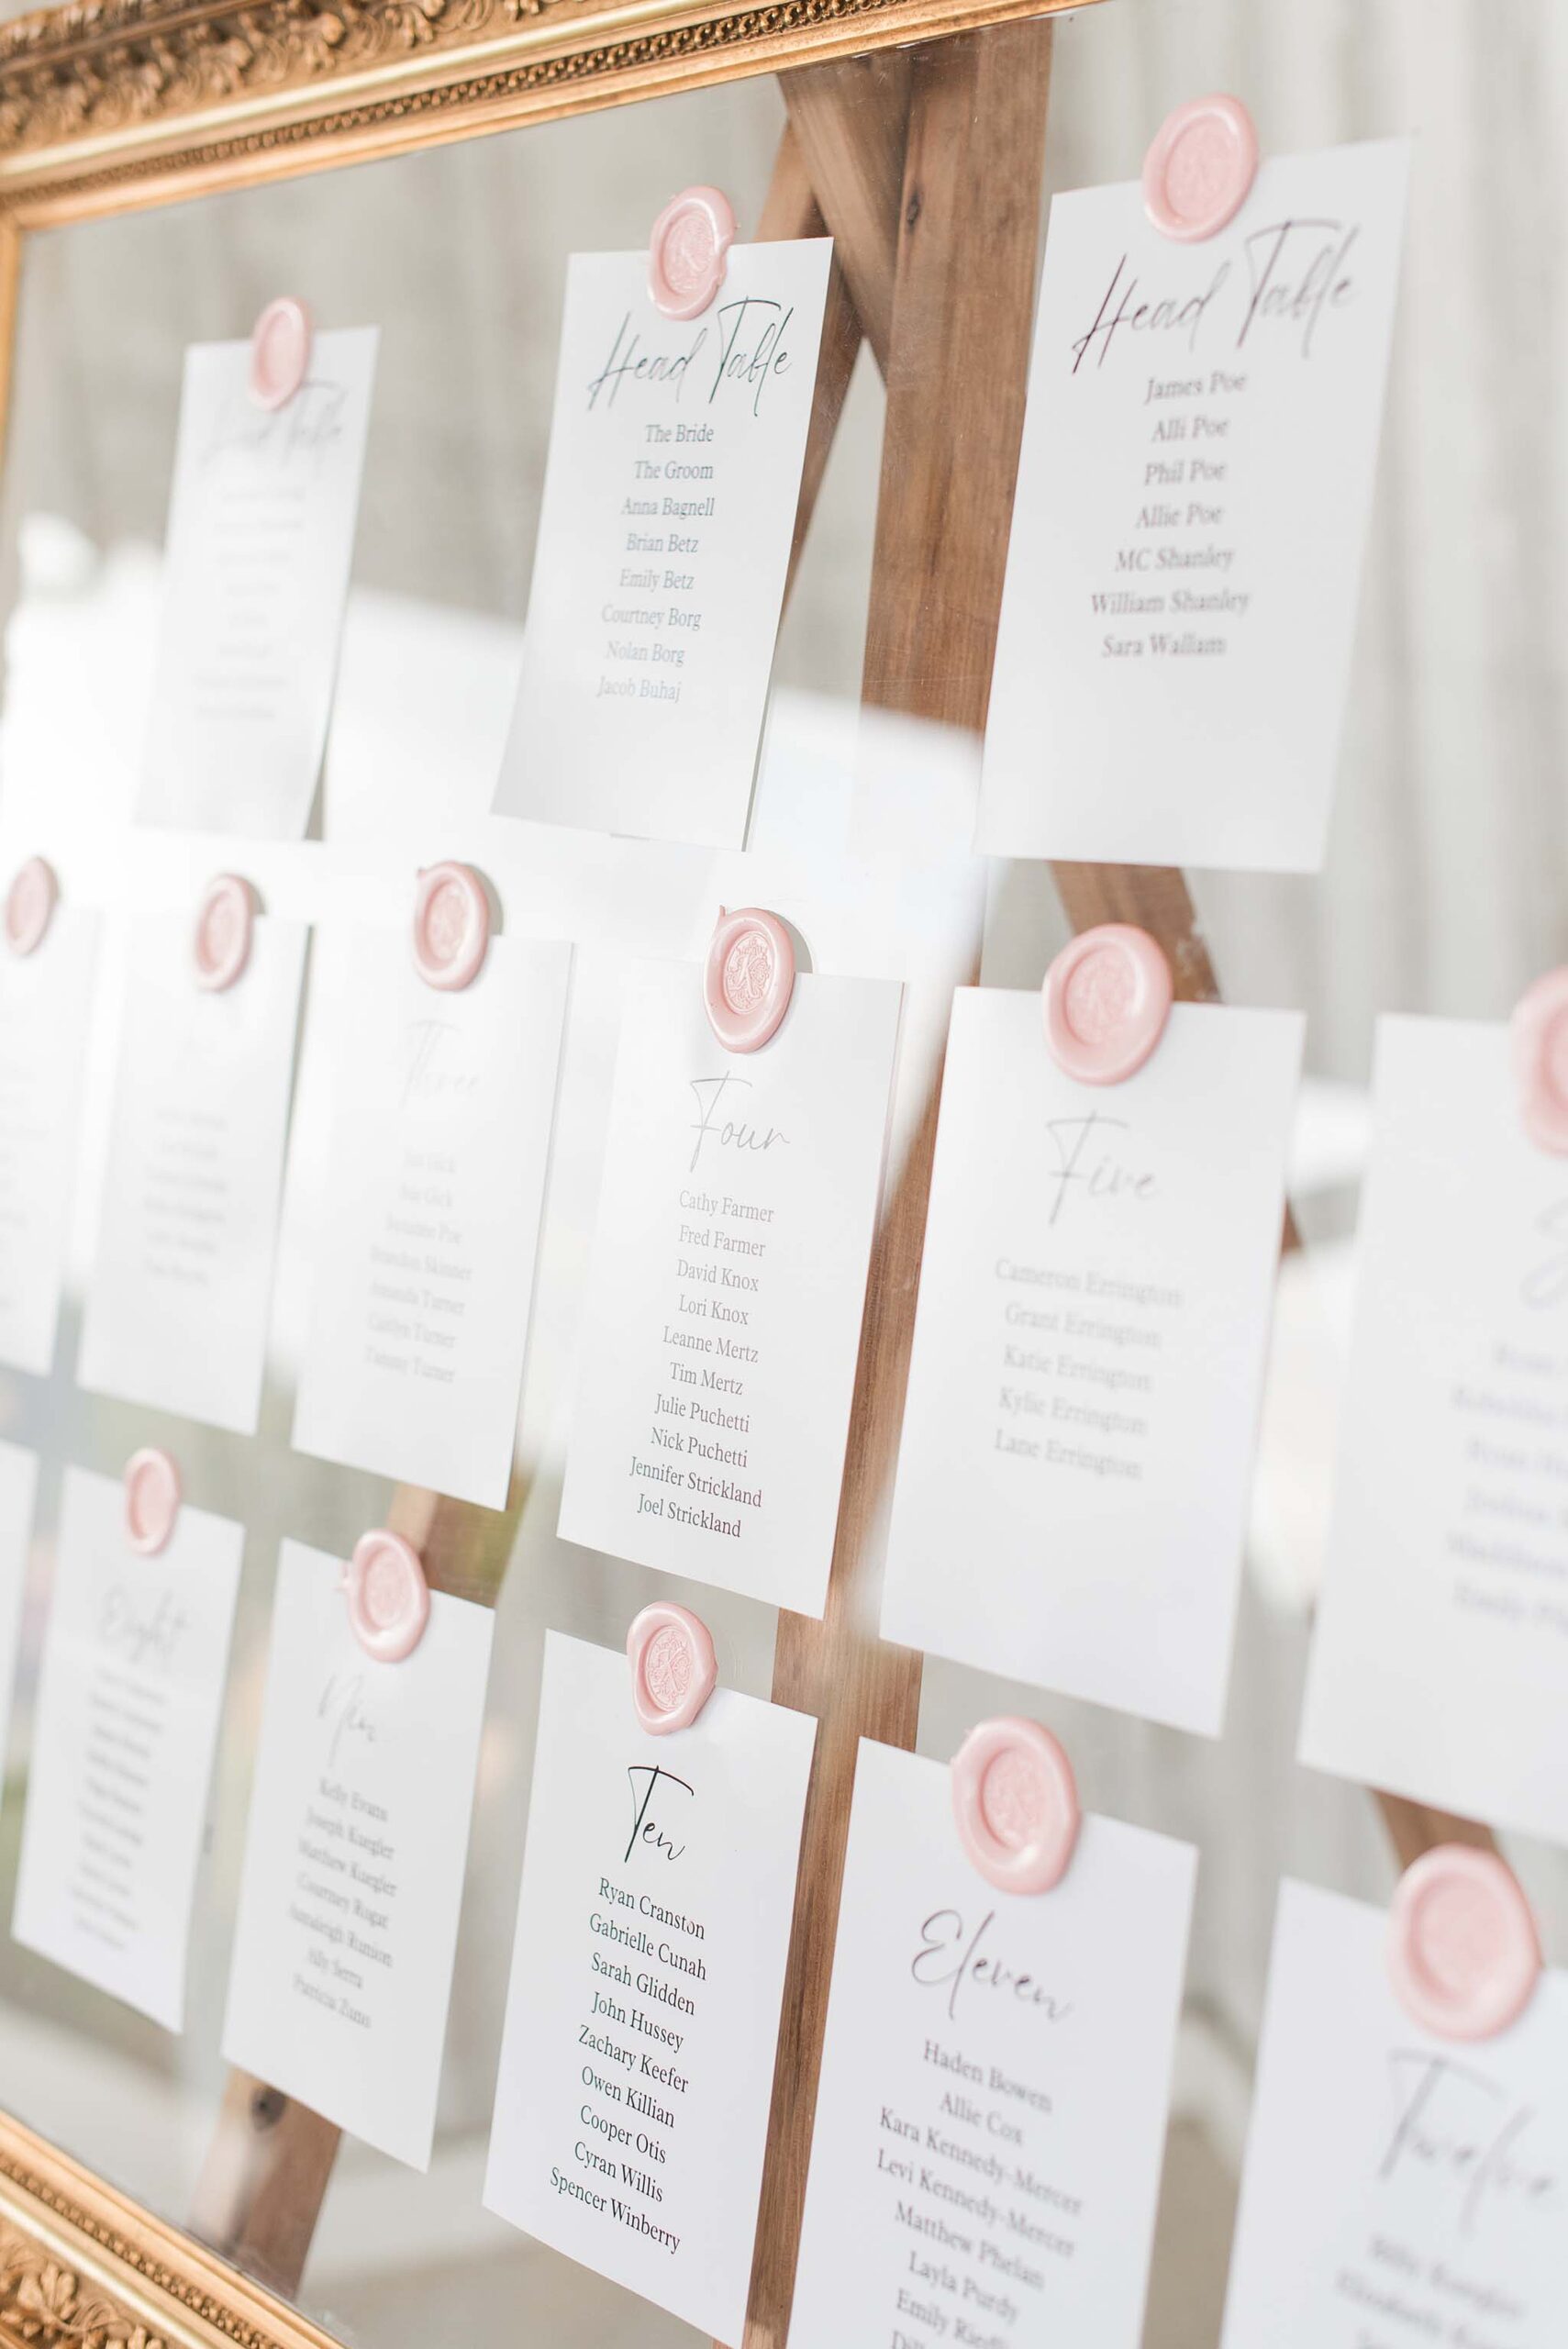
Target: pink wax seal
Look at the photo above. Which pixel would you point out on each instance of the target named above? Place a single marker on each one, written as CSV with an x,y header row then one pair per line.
x,y
749,978
673,1669
389,1599
1463,1948
451,926
1200,167
1107,998
686,252
1539,1038
151,1500
225,920
30,905
1015,1802
280,351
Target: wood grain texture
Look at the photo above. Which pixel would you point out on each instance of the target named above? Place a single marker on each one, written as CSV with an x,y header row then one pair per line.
x,y
261,2185
790,211
851,119
957,370
974,107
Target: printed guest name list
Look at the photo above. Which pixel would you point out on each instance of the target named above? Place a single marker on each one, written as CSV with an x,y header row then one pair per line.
x,y
642,2018
1194,486
727,1285
991,2115
664,539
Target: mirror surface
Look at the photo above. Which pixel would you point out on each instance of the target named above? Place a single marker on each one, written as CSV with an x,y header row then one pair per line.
x,y
1444,891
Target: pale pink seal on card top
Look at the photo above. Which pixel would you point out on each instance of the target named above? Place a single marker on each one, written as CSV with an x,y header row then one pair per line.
x,y
749,978
224,921
1200,168
451,926
389,1599
151,1500
673,1668
30,905
280,351
1539,1033
1105,1001
1464,1952
686,252
1016,1803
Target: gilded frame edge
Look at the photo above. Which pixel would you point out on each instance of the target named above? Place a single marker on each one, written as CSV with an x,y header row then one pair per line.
x,y
107,105
81,2264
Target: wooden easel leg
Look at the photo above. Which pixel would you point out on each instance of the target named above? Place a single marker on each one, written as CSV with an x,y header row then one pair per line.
x,y
954,413
791,211
852,121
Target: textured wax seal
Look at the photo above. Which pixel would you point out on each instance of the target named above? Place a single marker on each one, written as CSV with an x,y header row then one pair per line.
x,y
1199,169
389,1599
1015,1804
280,351
673,1669
1105,1001
225,920
748,978
30,905
1539,1038
1464,1953
151,1500
451,926
686,252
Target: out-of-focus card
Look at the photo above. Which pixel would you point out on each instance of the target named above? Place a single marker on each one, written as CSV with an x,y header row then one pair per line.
x,y
131,1691
256,576
354,1859
443,1104
180,1297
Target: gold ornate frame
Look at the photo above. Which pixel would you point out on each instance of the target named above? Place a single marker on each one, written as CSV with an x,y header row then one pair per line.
x,y
83,2267
110,104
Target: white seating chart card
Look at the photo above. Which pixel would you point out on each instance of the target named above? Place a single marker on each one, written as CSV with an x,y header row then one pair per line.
x,y
991,2115
443,1104
1088,1356
642,2016
727,1285
130,1692
18,1490
1439,1669
1192,505
1398,2186
354,1859
179,1299
665,537
46,1003
256,574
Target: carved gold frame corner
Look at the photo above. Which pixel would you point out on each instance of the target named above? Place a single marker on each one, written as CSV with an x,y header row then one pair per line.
x,y
82,2266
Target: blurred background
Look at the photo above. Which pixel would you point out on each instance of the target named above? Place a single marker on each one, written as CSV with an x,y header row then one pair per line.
x,y
1446,889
